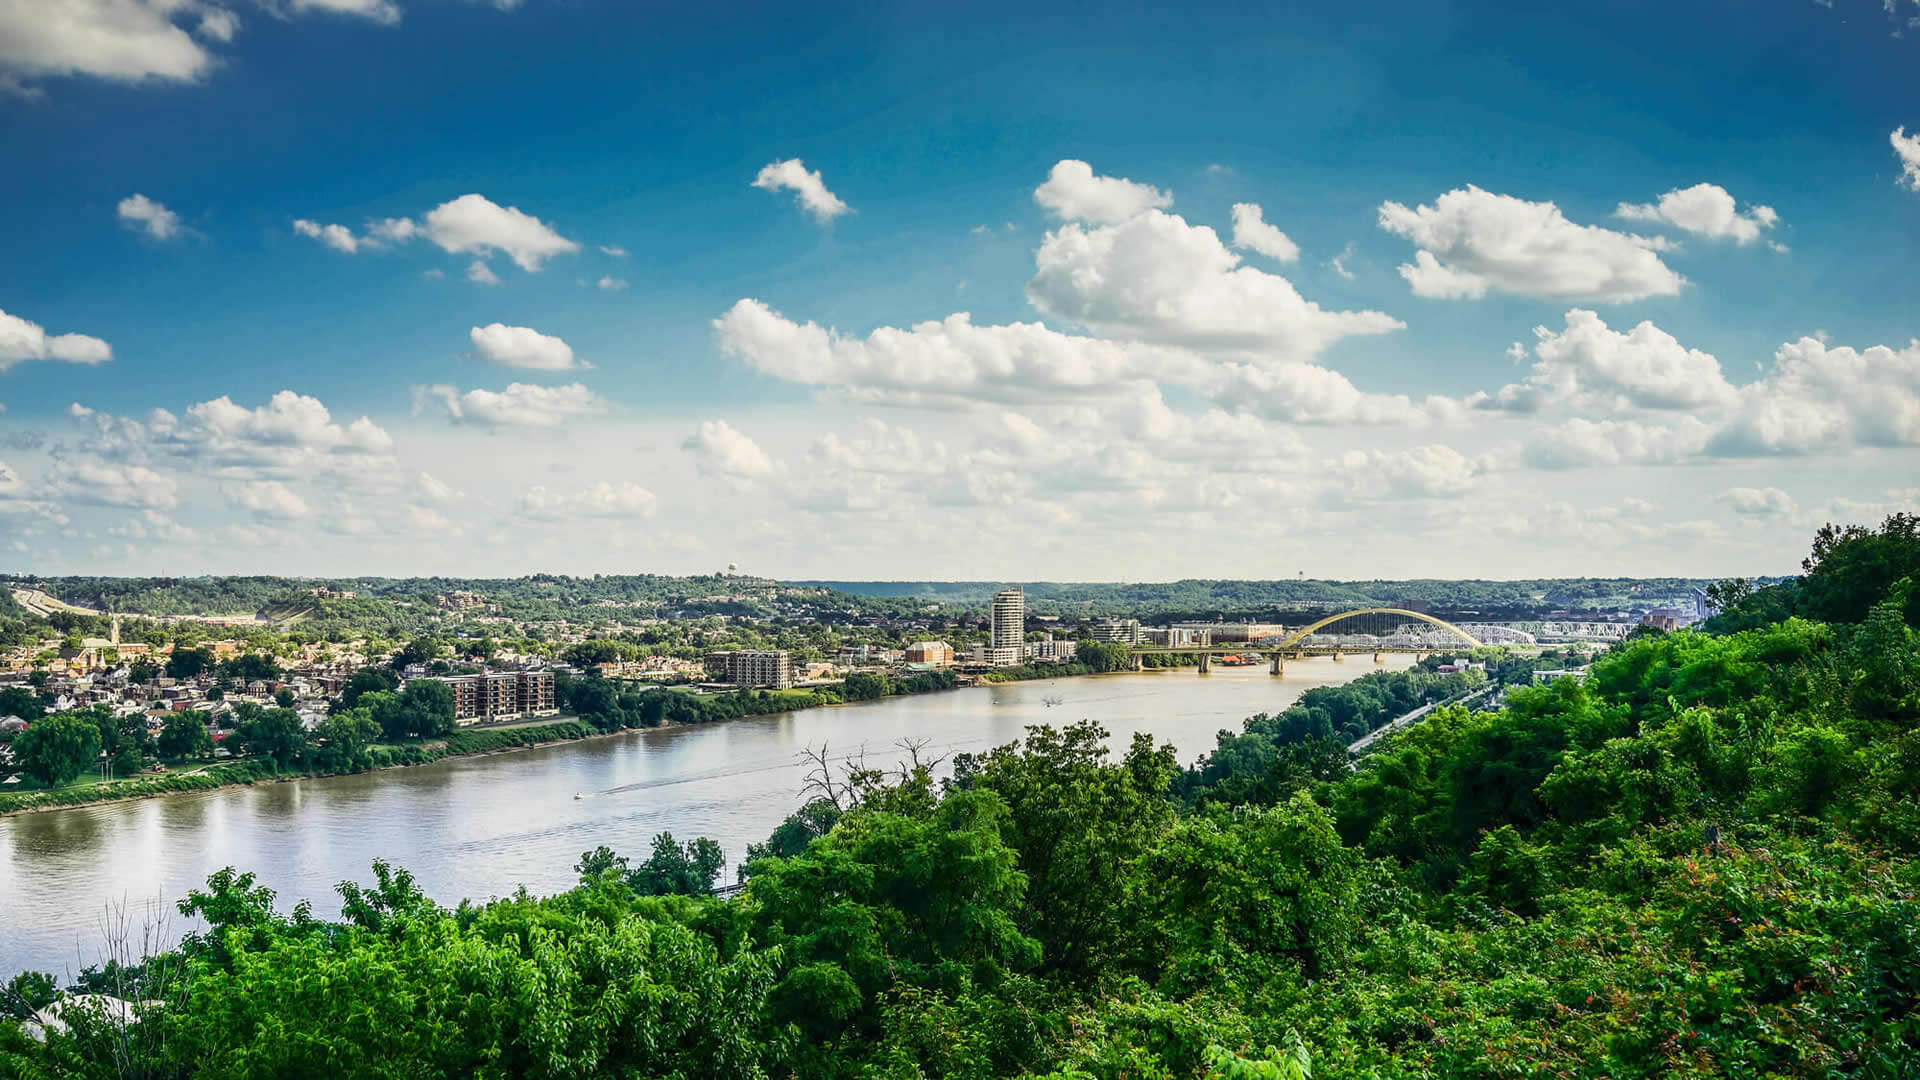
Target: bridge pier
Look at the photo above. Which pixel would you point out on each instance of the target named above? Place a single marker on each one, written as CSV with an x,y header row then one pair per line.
x,y
1377,658
1339,657
1275,665
1139,662
1204,658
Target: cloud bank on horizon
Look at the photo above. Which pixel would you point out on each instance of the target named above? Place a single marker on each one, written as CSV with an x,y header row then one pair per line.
x,y
1321,358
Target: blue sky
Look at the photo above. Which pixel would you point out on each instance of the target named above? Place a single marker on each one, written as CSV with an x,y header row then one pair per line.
x,y
1133,396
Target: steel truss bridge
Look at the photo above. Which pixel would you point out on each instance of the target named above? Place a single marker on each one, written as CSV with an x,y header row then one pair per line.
x,y
1368,630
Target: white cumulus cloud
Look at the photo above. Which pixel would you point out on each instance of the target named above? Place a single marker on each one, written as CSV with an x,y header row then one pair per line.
x,y
268,499
520,405
22,339
722,450
382,11
949,357
1472,240
120,40
1907,148
523,347
1155,278
1597,369
1705,210
475,225
1073,192
1757,502
134,41
1581,443
1820,398
150,217
1252,233
130,486
480,273
337,237
793,175
606,499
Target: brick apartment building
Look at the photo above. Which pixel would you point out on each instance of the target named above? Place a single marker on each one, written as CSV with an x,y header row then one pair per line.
x,y
752,667
501,695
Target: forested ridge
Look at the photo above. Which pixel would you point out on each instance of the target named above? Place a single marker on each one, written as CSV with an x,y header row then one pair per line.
x,y
1698,862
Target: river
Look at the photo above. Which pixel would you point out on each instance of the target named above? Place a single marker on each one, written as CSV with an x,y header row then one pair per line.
x,y
481,826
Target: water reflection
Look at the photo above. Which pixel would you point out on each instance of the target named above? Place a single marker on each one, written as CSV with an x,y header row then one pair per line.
x,y
478,827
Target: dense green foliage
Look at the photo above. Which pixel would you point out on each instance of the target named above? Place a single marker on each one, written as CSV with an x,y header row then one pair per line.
x,y
1699,862
56,749
610,704
1849,570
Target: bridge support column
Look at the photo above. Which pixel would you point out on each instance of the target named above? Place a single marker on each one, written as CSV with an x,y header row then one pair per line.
x,y
1139,664
1275,665
1204,658
1378,658
1339,657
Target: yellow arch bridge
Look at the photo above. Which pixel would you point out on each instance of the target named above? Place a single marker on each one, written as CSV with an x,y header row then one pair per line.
x,y
1375,630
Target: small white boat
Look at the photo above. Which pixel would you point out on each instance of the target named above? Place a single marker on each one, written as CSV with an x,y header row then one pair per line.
x,y
577,795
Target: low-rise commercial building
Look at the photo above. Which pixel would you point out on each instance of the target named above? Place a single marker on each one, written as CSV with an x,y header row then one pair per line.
x,y
1052,650
996,655
930,652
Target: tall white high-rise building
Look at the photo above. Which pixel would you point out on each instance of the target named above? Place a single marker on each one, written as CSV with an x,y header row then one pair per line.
x,y
1009,626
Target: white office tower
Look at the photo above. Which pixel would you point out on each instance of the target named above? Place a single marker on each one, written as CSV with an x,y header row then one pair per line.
x,y
1009,626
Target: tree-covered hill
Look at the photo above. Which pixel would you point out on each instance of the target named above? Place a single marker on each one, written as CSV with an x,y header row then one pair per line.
x,y
1702,861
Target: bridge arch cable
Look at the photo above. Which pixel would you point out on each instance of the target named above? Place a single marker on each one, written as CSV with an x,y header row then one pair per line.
x,y
1394,628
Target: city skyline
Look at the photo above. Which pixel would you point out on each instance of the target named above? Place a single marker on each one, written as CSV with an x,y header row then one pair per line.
x,y
402,287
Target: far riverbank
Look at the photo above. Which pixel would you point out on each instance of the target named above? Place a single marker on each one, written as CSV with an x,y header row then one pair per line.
x,y
466,742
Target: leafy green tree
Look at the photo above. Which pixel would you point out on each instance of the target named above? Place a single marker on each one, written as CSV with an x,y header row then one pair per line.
x,y
365,681
347,740
385,708
792,837
188,663
418,651
58,748
185,735
21,702
428,706
249,667
1236,902
588,654
887,898
126,760
284,698
673,868
600,863
275,734
865,686
1852,568
1100,656
1078,823
27,993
